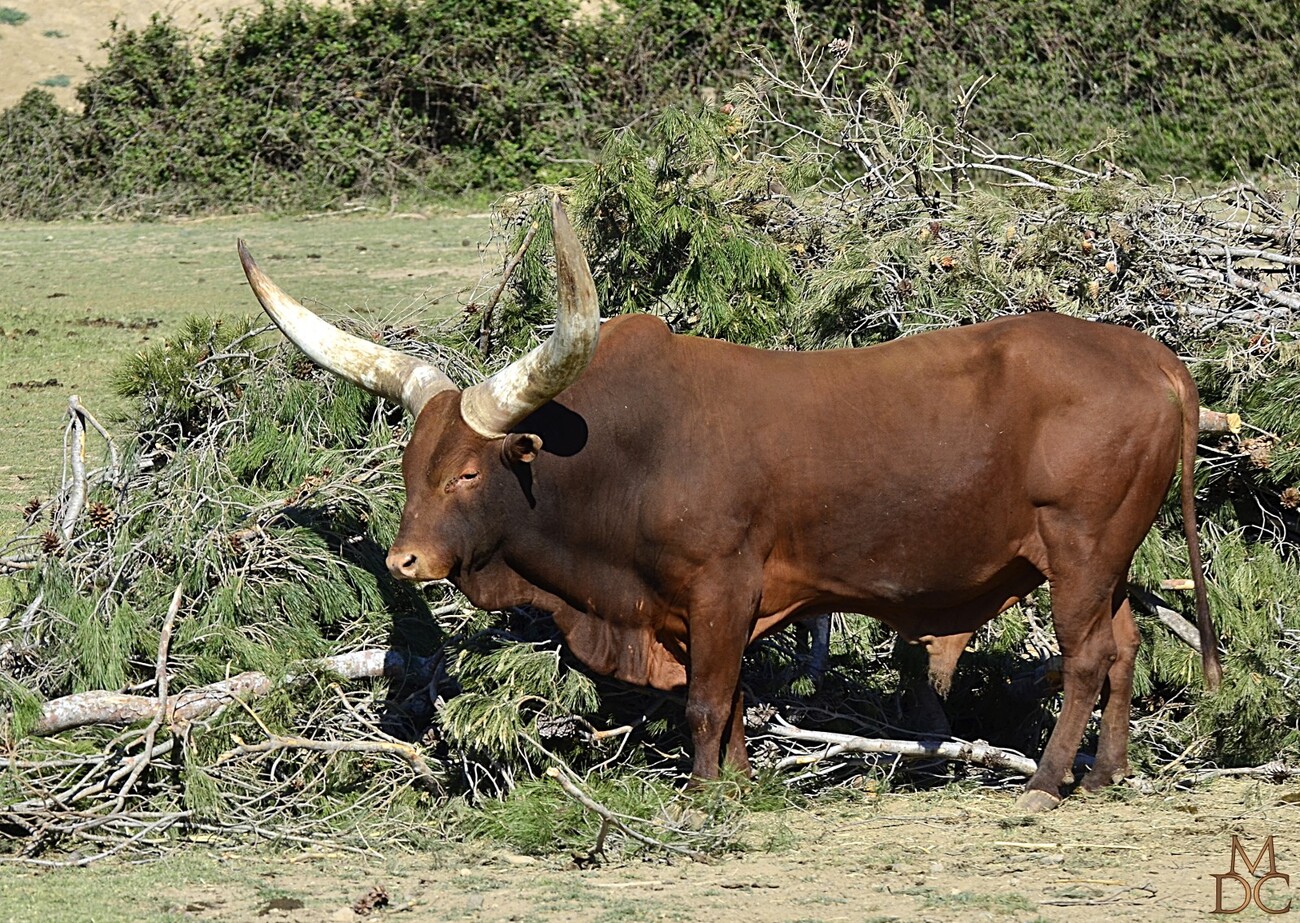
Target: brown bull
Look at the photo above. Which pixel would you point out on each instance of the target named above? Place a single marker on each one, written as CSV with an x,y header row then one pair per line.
x,y
670,499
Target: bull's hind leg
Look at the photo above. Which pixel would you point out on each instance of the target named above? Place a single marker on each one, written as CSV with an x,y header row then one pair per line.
x,y
1082,612
924,712
1116,699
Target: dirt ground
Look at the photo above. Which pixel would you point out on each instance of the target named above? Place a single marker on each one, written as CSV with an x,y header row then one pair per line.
x,y
52,46
954,854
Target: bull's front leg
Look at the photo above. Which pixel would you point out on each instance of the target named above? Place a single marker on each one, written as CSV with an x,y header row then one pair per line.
x,y
736,753
714,701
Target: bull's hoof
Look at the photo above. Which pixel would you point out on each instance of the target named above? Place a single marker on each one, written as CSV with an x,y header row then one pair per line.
x,y
1099,779
1036,801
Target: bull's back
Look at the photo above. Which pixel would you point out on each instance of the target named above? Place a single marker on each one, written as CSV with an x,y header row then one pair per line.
x,y
920,463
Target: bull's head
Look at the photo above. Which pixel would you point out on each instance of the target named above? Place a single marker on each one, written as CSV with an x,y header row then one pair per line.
x,y
463,450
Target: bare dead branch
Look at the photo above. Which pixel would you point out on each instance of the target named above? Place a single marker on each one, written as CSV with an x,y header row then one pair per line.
x,y
115,463
1228,277
19,563
485,326
610,818
977,752
1276,772
115,708
75,487
277,742
1182,629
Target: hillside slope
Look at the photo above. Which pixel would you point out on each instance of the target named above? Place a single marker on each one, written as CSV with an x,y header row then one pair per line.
x,y
54,42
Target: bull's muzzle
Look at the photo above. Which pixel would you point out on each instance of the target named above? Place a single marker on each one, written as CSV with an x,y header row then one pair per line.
x,y
406,563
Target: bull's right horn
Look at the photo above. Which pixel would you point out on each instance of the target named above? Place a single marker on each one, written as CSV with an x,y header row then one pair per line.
x,y
386,372
494,405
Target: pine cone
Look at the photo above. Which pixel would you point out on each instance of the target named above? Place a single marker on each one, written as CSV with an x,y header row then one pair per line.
x,y
301,367
1260,451
32,509
377,897
50,543
101,517
240,539
1291,498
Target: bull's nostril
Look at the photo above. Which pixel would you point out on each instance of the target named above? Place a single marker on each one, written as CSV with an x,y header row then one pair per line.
x,y
404,564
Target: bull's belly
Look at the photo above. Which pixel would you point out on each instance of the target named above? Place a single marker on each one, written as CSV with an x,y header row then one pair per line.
x,y
914,604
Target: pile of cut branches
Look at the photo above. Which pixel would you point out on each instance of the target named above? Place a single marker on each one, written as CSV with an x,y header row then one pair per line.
x,y
869,220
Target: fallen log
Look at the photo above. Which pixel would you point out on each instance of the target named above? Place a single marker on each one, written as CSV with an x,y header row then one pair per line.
x,y
115,708
977,752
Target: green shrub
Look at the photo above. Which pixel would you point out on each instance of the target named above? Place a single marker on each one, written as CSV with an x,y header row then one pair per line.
x,y
41,148
298,104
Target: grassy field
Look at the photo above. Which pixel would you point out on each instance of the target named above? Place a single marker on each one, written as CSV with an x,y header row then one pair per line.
x,y
77,299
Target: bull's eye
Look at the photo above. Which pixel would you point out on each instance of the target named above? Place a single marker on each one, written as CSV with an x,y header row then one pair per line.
x,y
461,481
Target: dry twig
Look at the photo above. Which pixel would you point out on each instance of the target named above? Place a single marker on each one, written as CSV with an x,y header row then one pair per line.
x,y
485,325
610,819
977,752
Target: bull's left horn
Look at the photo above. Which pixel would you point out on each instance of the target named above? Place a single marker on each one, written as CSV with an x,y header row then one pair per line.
x,y
380,370
494,405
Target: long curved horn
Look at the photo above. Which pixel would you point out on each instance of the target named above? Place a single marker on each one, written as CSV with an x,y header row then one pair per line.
x,y
494,405
380,370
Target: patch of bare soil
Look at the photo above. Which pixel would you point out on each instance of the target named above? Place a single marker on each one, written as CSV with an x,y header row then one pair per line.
x,y
51,47
951,855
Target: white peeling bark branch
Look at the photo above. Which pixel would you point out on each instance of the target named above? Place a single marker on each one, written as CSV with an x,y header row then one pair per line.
x,y
1182,629
115,461
115,708
75,490
977,752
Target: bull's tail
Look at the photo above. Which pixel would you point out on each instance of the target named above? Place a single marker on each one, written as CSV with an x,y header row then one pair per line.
x,y
1187,488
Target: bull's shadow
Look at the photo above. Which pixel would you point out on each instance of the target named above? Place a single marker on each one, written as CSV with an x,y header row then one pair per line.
x,y
415,638
865,690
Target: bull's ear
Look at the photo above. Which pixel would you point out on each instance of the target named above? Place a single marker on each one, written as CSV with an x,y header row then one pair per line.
x,y
521,447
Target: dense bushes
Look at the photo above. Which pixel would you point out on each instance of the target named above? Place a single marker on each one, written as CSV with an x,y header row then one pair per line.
x,y
297,104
